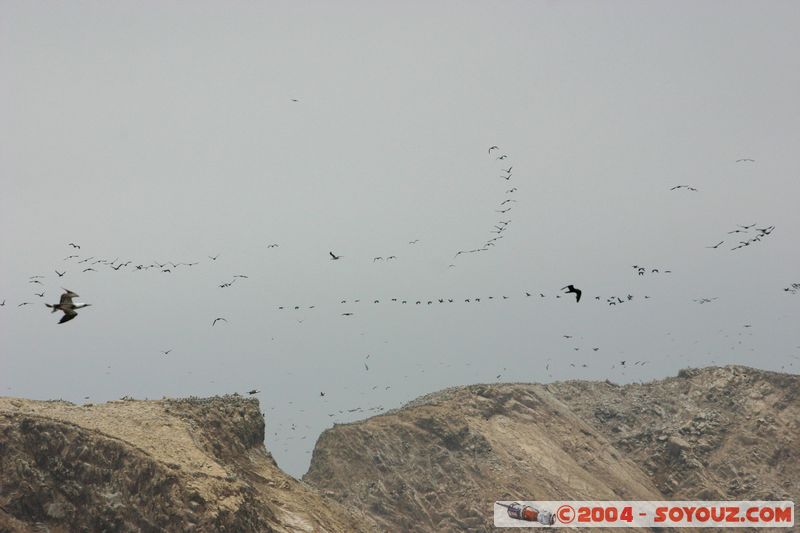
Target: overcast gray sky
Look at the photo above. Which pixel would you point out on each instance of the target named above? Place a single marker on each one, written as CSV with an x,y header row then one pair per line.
x,y
166,131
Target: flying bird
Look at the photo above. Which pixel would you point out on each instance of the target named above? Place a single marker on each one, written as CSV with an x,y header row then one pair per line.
x,y
334,257
502,157
746,160
705,300
67,306
493,148
74,245
253,391
166,352
716,245
214,258
217,320
571,288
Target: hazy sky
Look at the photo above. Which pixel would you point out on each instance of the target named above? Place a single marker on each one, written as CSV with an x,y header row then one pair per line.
x,y
166,131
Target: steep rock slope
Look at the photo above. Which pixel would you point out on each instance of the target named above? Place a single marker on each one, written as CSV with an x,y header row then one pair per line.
x,y
438,463
169,465
713,433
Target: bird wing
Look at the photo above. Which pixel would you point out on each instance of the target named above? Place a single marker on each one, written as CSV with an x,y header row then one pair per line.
x,y
67,297
68,315
577,295
332,255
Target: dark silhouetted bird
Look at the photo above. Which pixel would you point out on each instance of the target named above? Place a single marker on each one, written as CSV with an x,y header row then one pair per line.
x,y
218,319
571,288
334,257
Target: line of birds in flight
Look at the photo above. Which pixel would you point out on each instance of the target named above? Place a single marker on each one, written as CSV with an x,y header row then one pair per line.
x,y
762,233
501,225
66,304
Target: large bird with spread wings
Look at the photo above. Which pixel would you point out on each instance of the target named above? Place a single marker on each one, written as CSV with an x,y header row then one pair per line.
x,y
67,306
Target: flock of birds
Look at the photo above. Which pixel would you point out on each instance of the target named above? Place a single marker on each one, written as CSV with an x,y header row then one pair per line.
x,y
90,265
761,233
69,307
503,208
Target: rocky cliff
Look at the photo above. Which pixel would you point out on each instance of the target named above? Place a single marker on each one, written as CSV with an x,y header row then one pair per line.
x,y
435,465
169,465
438,463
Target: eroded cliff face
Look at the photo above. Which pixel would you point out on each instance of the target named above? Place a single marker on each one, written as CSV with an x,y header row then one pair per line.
x,y
438,463
713,433
169,465
435,465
